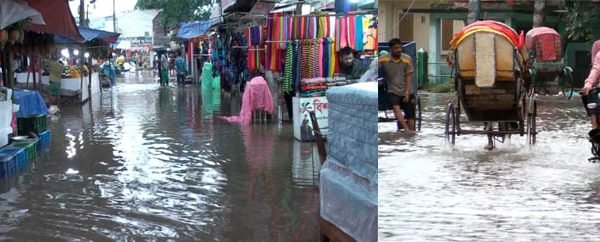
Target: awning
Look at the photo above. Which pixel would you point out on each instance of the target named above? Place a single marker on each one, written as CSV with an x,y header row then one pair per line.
x,y
12,11
123,45
58,18
89,34
192,29
105,36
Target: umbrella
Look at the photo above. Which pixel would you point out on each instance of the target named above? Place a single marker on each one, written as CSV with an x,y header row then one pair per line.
x,y
12,11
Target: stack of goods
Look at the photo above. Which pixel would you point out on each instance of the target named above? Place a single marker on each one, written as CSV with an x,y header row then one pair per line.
x,y
337,81
32,131
349,175
313,87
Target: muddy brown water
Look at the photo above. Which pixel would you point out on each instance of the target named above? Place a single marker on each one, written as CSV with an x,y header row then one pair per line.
x,y
148,163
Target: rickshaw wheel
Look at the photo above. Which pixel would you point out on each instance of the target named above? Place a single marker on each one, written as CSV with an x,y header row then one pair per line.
x,y
531,127
450,130
567,82
419,113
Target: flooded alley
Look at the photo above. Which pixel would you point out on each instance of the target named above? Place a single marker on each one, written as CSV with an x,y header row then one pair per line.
x,y
143,162
432,192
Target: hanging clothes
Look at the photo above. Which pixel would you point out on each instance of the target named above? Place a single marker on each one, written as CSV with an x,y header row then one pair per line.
x,y
289,62
320,59
326,56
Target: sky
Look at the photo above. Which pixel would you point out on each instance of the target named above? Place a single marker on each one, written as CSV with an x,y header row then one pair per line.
x,y
102,7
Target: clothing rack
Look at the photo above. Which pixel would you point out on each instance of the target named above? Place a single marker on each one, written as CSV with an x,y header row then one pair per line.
x,y
371,12
246,47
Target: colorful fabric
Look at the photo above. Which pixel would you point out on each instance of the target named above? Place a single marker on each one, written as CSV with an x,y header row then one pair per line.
x,y
492,26
359,43
289,63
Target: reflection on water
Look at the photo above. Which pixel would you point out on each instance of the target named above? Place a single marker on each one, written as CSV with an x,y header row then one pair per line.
x,y
151,163
431,192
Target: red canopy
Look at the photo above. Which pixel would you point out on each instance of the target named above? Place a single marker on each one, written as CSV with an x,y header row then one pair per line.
x,y
517,39
58,18
539,31
545,42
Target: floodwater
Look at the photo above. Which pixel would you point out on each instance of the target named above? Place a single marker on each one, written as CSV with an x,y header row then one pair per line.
x,y
432,192
142,162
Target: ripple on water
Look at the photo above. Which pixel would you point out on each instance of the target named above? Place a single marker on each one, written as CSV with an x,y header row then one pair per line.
x,y
429,191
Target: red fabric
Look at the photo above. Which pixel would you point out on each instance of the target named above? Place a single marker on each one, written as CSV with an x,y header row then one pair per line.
x,y
539,31
517,39
547,48
58,18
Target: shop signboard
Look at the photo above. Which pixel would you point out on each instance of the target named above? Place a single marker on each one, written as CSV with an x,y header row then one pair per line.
x,y
303,128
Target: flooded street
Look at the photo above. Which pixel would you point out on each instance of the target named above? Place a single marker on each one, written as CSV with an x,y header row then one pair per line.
x,y
432,192
151,163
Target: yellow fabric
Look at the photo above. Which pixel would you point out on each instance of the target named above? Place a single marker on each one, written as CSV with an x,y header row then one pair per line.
x,y
55,70
389,59
454,42
333,58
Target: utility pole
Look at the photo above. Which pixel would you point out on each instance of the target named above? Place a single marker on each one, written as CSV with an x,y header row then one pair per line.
x,y
81,13
474,11
114,18
538,13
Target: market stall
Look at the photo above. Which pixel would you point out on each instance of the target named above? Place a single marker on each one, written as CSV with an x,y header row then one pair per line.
x,y
194,34
26,35
304,50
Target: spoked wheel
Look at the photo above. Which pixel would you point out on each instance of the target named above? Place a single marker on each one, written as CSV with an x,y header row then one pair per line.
x,y
531,127
567,82
450,130
419,113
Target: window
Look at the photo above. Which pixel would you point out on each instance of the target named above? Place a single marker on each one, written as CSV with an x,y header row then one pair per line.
x,y
406,27
449,28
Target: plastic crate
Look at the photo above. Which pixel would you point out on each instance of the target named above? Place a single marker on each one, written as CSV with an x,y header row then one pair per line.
x,y
29,146
44,140
19,155
8,164
36,124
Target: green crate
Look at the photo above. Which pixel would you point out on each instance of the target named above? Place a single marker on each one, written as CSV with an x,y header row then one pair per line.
x,y
36,124
30,148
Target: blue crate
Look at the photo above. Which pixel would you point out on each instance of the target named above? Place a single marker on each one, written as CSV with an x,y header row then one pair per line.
x,y
7,165
44,140
18,156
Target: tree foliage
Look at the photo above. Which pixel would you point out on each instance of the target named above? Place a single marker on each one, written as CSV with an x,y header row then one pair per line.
x,y
581,19
178,11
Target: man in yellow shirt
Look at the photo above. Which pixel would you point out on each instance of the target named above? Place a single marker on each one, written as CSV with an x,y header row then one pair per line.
x,y
397,71
55,68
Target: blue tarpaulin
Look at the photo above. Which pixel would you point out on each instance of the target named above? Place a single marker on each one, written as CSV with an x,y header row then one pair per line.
x,y
192,29
89,35
30,103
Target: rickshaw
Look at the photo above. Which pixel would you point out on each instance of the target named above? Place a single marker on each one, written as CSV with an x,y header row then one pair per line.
x,y
386,107
491,83
546,64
